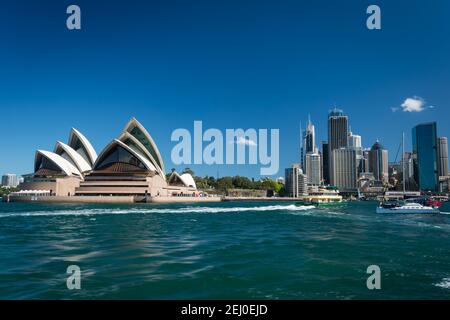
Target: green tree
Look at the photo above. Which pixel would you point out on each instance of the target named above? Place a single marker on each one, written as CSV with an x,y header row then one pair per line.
x,y
225,183
188,170
242,182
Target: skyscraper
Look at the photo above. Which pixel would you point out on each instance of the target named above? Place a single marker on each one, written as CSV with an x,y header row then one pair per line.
x,y
344,168
337,136
295,181
325,163
312,165
442,150
379,162
354,140
337,129
309,142
310,137
425,156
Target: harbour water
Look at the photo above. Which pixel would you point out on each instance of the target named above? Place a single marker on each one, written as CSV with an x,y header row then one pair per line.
x,y
233,250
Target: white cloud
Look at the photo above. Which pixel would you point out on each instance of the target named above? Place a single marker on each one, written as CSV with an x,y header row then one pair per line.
x,y
244,141
415,104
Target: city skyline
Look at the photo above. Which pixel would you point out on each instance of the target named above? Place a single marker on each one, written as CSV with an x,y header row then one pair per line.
x,y
353,141
269,68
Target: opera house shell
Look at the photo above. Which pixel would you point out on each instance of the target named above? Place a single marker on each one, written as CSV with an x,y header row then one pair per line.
x,y
130,165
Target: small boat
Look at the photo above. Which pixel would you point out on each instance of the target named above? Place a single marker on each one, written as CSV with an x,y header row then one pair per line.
x,y
433,202
411,207
418,205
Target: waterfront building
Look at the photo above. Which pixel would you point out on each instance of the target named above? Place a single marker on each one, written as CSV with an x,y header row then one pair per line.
x,y
368,185
312,166
337,136
379,162
344,169
129,166
10,180
425,156
325,163
296,185
442,149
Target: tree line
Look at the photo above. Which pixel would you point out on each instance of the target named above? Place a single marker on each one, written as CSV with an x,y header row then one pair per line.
x,y
237,182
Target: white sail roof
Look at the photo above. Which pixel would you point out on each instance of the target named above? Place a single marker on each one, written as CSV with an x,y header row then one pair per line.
x,y
136,153
125,137
144,137
90,151
188,180
77,159
65,166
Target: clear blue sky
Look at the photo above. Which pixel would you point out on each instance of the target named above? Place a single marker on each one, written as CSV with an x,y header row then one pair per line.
x,y
229,63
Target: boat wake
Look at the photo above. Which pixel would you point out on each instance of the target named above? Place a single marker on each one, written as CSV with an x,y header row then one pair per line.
x,y
445,283
90,212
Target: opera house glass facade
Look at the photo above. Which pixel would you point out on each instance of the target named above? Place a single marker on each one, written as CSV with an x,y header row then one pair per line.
x,y
424,139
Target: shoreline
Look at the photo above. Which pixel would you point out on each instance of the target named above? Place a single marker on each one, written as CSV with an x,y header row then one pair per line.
x,y
150,200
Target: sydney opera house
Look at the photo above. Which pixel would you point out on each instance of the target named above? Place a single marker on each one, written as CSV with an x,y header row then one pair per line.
x,y
129,169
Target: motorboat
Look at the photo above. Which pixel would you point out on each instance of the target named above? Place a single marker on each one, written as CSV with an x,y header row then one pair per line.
x,y
410,207
418,205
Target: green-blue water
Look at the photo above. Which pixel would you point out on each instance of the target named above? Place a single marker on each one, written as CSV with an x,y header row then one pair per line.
x,y
221,251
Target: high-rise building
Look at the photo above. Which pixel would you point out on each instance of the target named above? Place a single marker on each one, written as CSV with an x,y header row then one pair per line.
x,y
379,162
425,156
295,181
365,161
325,163
408,175
344,169
310,137
337,136
442,149
312,166
354,140
10,180
309,142
337,129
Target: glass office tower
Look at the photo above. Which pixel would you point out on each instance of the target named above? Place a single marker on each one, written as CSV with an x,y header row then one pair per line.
x,y
425,157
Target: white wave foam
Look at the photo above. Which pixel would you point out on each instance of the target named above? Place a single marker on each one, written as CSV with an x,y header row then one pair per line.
x,y
445,283
89,212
